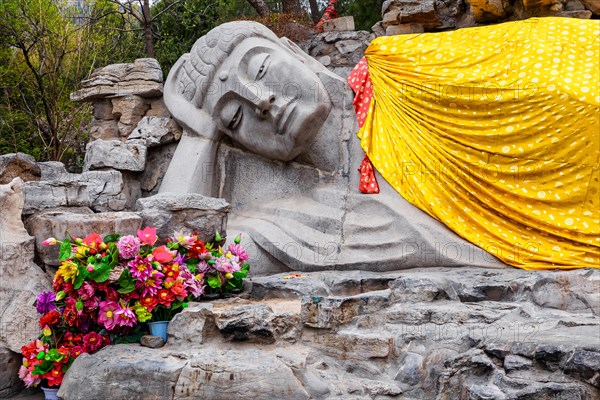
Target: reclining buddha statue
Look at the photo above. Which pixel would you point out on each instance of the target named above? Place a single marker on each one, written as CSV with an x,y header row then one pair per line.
x,y
484,140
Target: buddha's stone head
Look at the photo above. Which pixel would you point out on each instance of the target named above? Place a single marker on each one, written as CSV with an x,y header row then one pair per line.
x,y
241,80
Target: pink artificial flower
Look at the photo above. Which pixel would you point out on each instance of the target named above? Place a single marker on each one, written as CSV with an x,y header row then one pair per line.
x,y
49,242
151,285
147,235
106,315
128,246
140,268
163,255
238,250
125,317
86,291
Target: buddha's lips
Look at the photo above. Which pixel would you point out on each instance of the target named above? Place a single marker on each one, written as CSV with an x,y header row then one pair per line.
x,y
284,117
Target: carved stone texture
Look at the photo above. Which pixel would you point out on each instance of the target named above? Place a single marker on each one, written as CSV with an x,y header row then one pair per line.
x,y
20,279
18,165
130,156
142,77
80,222
171,212
156,131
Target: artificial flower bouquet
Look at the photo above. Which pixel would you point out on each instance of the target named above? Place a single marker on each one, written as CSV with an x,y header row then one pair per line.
x,y
107,289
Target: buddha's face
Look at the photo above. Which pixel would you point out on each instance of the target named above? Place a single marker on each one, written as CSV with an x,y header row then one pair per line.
x,y
266,99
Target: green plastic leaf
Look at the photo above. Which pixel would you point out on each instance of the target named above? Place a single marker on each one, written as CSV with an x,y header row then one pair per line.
x,y
214,281
111,238
66,250
81,277
101,273
126,282
43,368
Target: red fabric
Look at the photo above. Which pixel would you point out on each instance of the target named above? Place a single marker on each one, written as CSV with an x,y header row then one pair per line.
x,y
368,182
360,82
328,15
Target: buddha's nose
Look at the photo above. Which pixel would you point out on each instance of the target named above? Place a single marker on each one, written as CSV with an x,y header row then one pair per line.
x,y
264,106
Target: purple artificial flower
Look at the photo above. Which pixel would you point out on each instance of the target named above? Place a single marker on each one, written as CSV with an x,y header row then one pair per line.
x,y
45,302
179,259
129,247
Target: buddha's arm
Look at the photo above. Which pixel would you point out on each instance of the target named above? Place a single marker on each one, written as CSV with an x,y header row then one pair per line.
x,y
192,167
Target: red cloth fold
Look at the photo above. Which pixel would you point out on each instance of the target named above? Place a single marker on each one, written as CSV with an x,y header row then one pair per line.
x,y
360,82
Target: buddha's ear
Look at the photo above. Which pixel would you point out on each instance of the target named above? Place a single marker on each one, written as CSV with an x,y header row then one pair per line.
x,y
295,49
194,120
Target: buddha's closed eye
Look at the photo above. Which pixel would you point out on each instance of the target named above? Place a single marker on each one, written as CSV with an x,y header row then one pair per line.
x,y
232,114
258,66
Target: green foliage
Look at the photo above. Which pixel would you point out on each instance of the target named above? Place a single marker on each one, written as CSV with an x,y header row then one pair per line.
x,y
365,12
178,24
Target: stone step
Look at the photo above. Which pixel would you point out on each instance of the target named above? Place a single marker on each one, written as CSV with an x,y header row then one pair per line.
x,y
414,334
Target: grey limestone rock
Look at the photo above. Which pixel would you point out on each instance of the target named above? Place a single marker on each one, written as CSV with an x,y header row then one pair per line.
x,y
52,170
158,160
20,279
153,342
142,77
51,194
172,212
79,223
18,165
454,347
130,156
10,384
156,131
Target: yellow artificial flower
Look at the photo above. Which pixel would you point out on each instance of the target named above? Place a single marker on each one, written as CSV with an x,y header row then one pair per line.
x,y
81,252
68,270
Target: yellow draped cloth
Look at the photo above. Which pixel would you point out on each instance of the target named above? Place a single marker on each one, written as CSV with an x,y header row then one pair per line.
x,y
495,132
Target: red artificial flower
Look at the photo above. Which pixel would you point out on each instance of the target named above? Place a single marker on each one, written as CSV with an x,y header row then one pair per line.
x,y
197,249
55,376
149,302
92,341
163,255
76,351
50,318
178,291
165,297
93,240
172,271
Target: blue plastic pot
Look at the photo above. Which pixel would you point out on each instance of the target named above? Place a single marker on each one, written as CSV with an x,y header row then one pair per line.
x,y
159,329
50,393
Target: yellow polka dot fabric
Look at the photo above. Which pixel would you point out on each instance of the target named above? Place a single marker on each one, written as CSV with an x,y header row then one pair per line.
x,y
495,131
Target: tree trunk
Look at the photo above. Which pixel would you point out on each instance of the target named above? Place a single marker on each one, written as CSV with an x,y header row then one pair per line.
x,y
314,11
148,37
292,6
260,7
